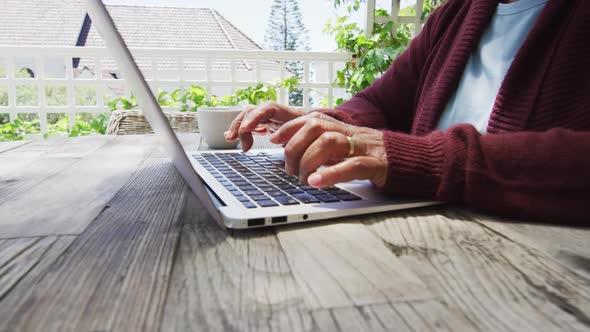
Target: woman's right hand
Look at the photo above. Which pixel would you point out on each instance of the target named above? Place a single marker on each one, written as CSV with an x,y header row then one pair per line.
x,y
259,120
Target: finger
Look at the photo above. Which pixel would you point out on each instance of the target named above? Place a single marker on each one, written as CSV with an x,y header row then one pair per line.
x,y
232,133
301,140
246,140
357,168
252,122
258,116
330,147
287,130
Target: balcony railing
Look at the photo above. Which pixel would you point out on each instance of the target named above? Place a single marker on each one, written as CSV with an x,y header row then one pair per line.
x,y
86,78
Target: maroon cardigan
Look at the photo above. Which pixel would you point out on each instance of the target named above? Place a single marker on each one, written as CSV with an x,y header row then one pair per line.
x,y
534,161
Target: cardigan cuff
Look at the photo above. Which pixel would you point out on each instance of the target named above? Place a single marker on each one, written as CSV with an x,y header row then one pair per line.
x,y
414,163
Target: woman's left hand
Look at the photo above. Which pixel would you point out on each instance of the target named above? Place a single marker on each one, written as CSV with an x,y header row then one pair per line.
x,y
316,139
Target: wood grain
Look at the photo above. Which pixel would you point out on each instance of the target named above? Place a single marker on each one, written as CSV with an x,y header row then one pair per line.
x,y
569,246
497,283
225,280
114,276
24,260
6,146
402,316
344,265
44,197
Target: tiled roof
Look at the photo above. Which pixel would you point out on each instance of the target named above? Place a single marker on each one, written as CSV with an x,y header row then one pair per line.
x,y
59,23
40,22
65,23
173,27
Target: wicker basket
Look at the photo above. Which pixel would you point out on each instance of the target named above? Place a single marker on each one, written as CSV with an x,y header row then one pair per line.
x,y
133,122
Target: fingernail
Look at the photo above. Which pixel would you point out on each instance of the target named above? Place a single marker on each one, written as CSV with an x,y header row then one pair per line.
x,y
226,134
315,180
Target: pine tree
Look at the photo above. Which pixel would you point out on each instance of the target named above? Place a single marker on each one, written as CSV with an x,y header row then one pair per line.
x,y
286,32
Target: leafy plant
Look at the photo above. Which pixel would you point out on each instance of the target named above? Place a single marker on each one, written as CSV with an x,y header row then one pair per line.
x,y
123,103
372,55
193,97
16,130
96,125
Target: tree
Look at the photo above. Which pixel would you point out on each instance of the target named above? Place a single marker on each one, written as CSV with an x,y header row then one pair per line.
x,y
286,32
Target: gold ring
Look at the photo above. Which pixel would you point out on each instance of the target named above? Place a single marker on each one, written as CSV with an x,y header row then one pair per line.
x,y
350,146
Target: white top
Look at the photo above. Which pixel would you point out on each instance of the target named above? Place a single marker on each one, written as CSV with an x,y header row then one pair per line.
x,y
475,96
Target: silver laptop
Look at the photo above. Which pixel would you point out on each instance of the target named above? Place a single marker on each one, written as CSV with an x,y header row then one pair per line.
x,y
243,190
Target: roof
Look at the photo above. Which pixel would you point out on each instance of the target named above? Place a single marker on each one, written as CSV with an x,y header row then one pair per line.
x,y
62,23
65,23
174,27
40,22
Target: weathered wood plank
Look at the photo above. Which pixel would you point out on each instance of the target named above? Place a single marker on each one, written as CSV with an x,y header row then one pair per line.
x,y
225,280
567,245
16,160
114,276
427,315
47,197
6,146
497,283
344,264
23,259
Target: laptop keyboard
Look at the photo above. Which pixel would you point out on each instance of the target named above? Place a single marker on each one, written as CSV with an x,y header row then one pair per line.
x,y
258,180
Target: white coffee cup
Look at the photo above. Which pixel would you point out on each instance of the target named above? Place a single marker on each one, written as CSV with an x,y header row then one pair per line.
x,y
213,122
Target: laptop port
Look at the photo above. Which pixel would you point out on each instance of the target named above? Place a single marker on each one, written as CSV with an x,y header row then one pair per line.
x,y
256,222
278,220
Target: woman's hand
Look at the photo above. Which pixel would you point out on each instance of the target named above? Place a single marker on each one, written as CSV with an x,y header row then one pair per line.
x,y
315,140
259,120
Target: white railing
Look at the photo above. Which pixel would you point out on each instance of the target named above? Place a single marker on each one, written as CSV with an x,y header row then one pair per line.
x,y
394,9
220,72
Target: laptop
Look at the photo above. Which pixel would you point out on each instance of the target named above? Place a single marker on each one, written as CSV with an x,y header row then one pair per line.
x,y
243,190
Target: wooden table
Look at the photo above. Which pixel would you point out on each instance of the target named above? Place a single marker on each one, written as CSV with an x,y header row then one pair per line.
x,y
102,234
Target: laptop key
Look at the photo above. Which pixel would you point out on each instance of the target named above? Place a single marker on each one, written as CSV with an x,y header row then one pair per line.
x,y
260,197
247,188
315,192
286,200
306,188
267,203
252,192
337,192
306,198
328,198
274,193
249,205
294,191
349,197
242,198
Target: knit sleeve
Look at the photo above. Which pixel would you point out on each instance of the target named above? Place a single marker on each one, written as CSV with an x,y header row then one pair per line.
x,y
539,175
389,101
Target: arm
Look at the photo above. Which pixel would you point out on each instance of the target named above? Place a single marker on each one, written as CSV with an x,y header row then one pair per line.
x,y
540,175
